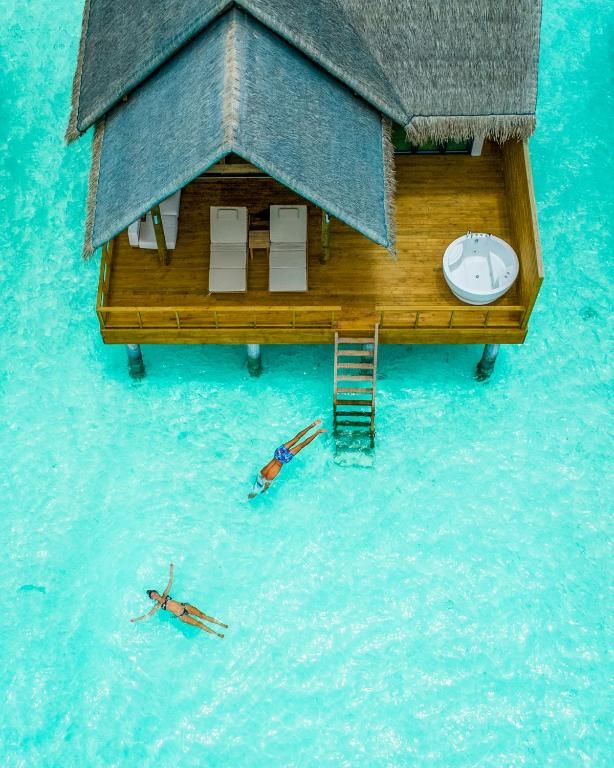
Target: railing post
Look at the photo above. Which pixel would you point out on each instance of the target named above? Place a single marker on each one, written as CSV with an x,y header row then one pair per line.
x,y
325,238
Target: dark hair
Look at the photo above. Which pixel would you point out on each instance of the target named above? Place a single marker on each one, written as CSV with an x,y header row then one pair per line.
x,y
149,591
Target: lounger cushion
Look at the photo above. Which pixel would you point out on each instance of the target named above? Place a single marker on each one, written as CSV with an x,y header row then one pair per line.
x,y
284,255
141,233
147,235
227,280
288,223
228,256
228,225
170,206
133,233
288,279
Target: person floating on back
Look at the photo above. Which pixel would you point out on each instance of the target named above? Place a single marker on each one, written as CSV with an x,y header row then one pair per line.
x,y
283,455
183,611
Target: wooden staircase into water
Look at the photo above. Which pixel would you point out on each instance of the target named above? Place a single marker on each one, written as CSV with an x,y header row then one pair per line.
x,y
354,383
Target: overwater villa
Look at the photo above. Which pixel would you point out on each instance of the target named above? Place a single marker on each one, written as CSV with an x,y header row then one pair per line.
x,y
274,172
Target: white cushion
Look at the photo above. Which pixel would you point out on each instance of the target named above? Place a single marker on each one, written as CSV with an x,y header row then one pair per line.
x,y
288,279
170,206
228,225
133,233
288,223
147,235
227,280
228,256
287,255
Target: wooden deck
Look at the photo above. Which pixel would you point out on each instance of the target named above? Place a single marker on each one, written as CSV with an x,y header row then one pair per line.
x,y
438,199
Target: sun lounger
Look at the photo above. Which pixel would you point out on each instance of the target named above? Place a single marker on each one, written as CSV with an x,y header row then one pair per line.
x,y
141,233
228,254
288,253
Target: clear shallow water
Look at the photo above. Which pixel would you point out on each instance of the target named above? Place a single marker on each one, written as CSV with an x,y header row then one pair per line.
x,y
447,608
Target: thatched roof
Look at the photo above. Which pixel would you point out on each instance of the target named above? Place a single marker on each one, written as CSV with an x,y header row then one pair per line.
x,y
260,101
461,69
124,42
441,69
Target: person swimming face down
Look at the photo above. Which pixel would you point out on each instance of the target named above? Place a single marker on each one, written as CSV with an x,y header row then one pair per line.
x,y
283,455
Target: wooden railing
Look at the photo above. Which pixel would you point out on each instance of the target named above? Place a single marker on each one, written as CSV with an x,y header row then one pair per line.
x,y
325,317
413,317
104,280
523,218
393,317
219,317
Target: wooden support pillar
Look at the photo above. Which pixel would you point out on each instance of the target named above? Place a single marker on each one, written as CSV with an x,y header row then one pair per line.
x,y
254,360
487,363
136,366
325,253
156,217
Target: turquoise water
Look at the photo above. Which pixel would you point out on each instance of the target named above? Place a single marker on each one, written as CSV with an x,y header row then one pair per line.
x,y
448,607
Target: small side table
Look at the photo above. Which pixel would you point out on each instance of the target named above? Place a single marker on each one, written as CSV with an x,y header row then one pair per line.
x,y
259,239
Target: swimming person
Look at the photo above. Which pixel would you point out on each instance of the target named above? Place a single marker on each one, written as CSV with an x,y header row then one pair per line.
x,y
283,455
183,611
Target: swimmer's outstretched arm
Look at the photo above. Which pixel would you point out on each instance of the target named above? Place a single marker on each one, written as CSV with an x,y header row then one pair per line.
x,y
158,605
303,432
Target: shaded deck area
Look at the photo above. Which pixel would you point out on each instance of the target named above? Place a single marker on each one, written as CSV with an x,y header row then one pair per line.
x,y
438,199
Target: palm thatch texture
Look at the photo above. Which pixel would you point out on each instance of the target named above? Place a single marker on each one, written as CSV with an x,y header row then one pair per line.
x,y
260,101
461,68
442,69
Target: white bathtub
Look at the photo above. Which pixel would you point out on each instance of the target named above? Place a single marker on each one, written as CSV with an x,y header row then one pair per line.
x,y
479,268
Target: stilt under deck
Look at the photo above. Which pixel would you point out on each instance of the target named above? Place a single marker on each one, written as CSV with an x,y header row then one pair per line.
x,y
438,198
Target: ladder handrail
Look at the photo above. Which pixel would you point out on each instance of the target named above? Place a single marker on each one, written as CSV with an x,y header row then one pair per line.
x,y
375,351
335,381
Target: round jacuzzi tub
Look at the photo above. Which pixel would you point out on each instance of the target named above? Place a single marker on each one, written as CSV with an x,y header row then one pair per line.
x,y
479,268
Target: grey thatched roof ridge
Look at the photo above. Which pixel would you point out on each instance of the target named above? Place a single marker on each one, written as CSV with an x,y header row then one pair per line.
x,y
325,33
441,68
320,29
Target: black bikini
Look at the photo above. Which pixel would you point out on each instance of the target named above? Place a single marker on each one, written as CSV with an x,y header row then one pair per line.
x,y
164,608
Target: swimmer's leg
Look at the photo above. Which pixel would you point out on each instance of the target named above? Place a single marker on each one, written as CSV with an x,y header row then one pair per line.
x,y
194,623
197,612
306,442
303,432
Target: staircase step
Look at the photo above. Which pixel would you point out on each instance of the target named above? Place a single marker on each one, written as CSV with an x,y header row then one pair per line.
x,y
349,423
359,368
353,402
